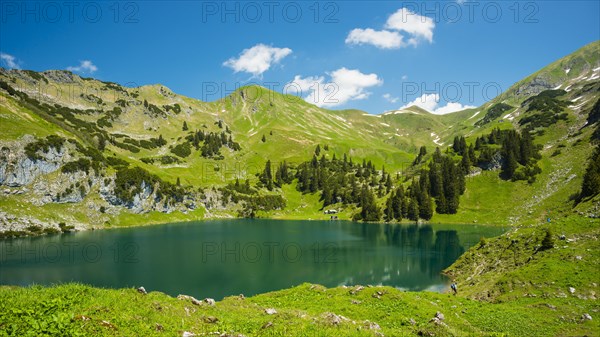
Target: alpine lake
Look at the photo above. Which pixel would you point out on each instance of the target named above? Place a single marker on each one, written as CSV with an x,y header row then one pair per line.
x,y
244,256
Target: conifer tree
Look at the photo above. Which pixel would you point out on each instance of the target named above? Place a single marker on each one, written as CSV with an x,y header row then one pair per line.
x,y
369,210
421,155
425,206
591,179
388,184
266,178
413,210
389,209
465,163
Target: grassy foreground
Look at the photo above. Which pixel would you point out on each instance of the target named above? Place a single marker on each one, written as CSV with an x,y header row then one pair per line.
x,y
307,310
507,287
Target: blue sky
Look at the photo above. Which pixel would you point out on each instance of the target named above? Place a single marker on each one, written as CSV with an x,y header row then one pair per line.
x,y
369,55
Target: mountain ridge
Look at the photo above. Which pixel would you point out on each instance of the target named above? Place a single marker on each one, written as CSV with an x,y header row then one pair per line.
x,y
152,128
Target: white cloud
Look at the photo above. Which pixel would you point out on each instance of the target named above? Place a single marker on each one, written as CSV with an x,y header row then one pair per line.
x,y
257,60
431,103
10,61
414,26
427,101
389,98
404,77
383,39
452,107
344,85
85,66
418,26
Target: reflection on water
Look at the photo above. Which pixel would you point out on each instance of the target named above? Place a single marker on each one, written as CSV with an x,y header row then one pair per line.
x,y
221,258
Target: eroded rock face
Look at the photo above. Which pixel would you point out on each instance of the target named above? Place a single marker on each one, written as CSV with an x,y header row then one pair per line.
x,y
145,201
537,85
17,223
60,76
16,169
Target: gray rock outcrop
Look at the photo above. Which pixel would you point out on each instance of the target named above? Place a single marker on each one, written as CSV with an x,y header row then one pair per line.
x,y
17,169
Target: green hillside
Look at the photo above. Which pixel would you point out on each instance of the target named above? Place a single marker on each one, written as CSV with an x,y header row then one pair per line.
x,y
204,146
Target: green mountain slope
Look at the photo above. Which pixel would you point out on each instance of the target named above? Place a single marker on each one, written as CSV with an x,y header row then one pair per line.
x,y
152,128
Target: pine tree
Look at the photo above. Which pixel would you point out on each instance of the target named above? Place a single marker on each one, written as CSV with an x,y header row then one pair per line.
x,y
440,204
421,155
465,163
264,139
388,184
510,164
303,179
389,209
435,180
282,175
314,182
456,144
327,196
450,183
591,179
185,126
354,190
424,183
266,178
369,210
527,148
318,150
405,204
437,155
462,146
279,177
425,206
413,210
397,201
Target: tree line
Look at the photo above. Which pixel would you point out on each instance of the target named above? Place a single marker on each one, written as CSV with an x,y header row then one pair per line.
x,y
341,181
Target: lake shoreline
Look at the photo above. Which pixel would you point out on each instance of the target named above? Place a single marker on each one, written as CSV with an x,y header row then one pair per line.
x,y
80,227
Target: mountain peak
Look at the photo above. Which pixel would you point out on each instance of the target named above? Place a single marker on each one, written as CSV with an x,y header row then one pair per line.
x,y
413,109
